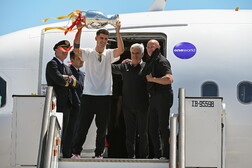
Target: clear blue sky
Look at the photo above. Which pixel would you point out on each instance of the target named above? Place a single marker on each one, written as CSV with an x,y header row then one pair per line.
x,y
20,14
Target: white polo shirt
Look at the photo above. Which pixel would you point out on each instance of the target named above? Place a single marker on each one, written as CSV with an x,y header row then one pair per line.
x,y
98,75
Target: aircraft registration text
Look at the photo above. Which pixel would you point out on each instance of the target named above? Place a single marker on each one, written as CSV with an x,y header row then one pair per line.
x,y
202,103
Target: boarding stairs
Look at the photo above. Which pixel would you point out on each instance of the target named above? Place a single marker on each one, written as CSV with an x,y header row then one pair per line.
x,y
54,160
198,144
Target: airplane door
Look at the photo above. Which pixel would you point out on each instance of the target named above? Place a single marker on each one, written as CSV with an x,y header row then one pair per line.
x,y
49,39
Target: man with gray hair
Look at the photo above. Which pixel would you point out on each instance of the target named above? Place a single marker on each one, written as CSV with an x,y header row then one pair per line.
x,y
135,101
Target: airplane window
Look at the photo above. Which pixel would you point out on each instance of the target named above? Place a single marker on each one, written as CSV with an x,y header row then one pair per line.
x,y
245,92
209,89
2,92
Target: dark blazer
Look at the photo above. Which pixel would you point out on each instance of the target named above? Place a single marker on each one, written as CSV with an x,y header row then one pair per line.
x,y
77,91
134,90
54,72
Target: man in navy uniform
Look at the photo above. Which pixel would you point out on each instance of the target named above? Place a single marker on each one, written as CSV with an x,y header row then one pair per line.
x,y
60,77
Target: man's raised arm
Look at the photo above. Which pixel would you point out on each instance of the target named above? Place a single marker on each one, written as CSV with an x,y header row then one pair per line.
x,y
120,46
77,39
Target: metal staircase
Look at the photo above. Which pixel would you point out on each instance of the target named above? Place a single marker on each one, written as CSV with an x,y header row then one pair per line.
x,y
206,110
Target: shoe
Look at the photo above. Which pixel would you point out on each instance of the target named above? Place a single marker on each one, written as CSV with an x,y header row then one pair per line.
x,y
131,157
75,156
163,158
97,157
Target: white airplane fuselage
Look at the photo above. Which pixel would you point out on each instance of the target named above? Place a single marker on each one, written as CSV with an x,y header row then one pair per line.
x,y
222,55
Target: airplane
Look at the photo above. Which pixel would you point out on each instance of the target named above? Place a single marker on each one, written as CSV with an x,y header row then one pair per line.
x,y
210,55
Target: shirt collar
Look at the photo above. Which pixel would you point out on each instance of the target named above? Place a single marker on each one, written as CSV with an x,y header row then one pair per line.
x,y
75,67
59,60
141,62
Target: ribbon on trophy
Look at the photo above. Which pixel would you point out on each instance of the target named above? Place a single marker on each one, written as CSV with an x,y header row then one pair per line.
x,y
75,16
92,20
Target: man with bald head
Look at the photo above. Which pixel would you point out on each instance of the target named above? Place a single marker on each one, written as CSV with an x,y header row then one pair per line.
x,y
159,77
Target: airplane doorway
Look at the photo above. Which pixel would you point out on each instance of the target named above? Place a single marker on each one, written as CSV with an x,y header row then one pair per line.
x,y
131,38
116,130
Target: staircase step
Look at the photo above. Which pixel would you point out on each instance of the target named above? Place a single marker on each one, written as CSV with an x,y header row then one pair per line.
x,y
112,163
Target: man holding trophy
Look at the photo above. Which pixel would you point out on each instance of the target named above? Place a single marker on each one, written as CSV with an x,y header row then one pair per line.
x,y
96,97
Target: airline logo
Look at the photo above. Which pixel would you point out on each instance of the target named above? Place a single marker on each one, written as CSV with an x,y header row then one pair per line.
x,y
184,50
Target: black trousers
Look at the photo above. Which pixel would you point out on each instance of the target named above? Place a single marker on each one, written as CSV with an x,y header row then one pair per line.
x,y
66,131
160,104
71,131
136,125
90,106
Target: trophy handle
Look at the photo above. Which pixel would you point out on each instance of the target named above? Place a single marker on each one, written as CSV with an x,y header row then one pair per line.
x,y
97,19
113,20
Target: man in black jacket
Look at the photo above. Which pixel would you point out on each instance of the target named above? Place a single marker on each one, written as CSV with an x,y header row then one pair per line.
x,y
60,77
77,63
135,101
159,77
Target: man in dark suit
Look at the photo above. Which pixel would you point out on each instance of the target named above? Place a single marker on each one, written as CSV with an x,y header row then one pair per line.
x,y
134,101
77,63
60,77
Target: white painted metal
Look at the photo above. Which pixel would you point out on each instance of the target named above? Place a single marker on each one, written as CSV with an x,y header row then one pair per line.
x,y
182,157
173,140
26,124
203,136
113,163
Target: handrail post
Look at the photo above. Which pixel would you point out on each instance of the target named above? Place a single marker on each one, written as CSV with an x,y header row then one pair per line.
x,y
49,142
182,127
45,121
173,140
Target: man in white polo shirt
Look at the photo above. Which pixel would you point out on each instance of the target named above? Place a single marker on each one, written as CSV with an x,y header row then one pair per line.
x,y
96,98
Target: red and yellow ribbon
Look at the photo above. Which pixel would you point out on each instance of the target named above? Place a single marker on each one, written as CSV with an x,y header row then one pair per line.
x,y
78,20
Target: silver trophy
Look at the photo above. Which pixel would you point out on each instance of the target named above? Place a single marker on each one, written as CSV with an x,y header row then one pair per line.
x,y
97,19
